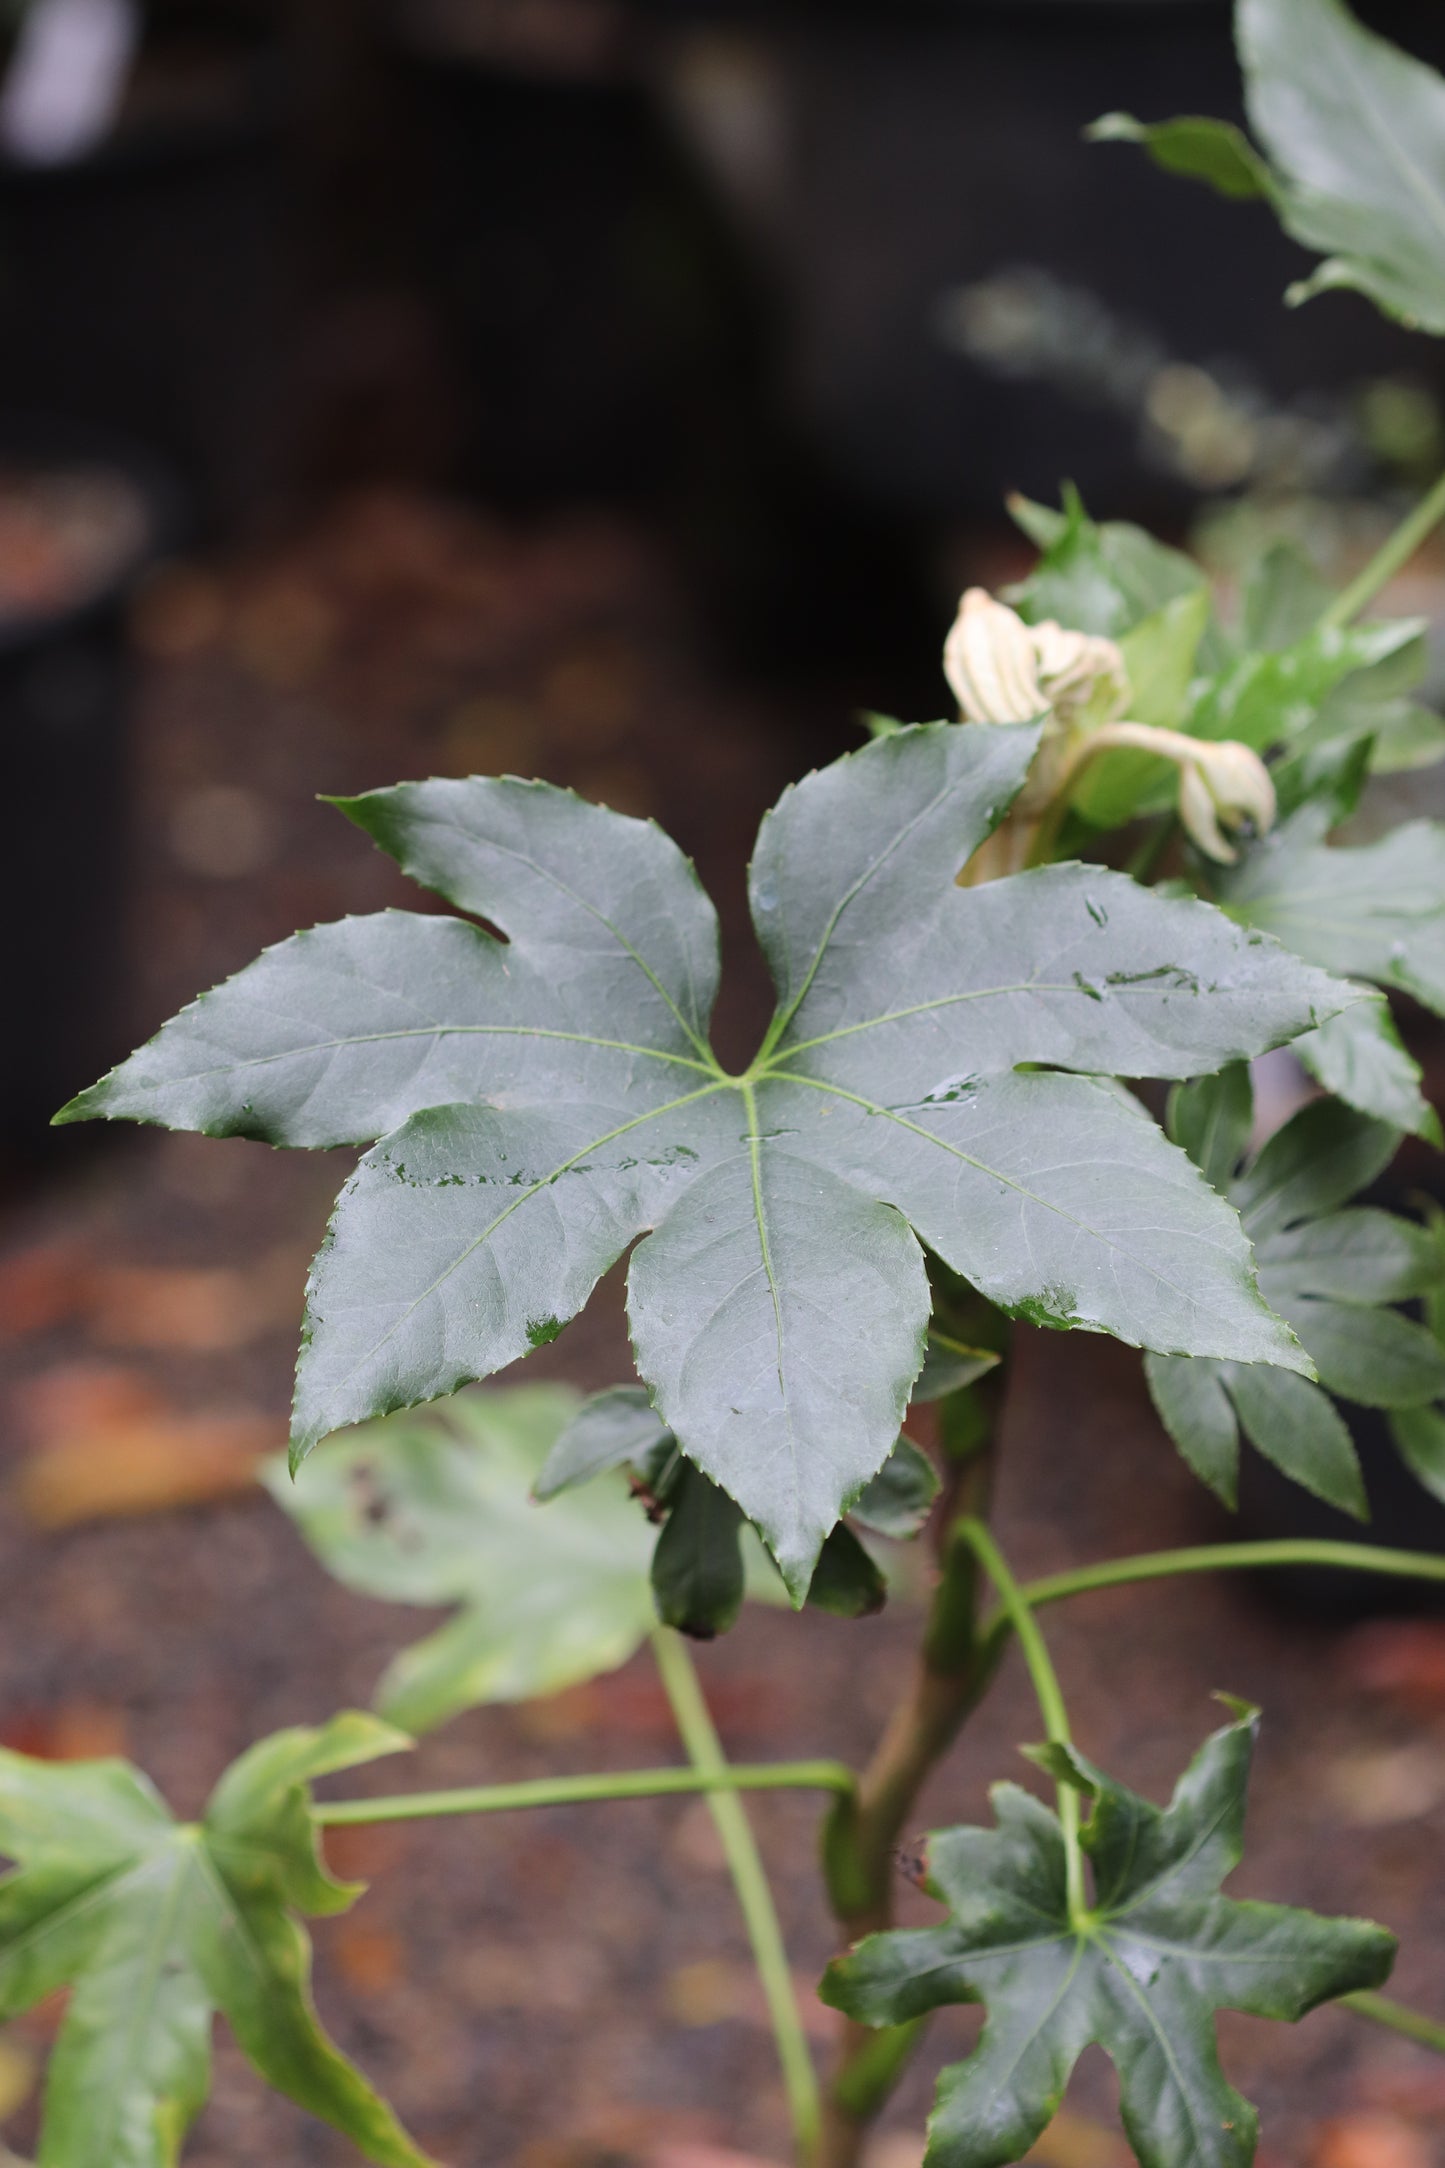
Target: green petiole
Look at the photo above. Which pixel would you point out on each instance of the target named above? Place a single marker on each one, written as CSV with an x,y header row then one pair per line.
x,y
1381,2010
750,1881
820,1776
1391,557
1014,1603
1226,1558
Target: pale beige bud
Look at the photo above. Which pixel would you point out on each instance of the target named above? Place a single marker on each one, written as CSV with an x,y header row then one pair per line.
x,y
1221,787
1078,671
1221,782
988,659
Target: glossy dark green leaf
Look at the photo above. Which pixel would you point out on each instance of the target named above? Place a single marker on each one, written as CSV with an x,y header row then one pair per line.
x,y
1211,1118
155,1925
697,1565
779,1300
1374,1357
1193,1404
1419,1435
1297,1426
1357,1256
1204,1405
1319,1160
1331,1272
848,1581
437,1509
898,1500
1142,1973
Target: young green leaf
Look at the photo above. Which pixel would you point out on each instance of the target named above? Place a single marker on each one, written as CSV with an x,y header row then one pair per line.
x,y
1355,132
437,1509
1142,1972
1330,1271
618,1428
155,1925
1199,149
1105,578
1277,697
779,1301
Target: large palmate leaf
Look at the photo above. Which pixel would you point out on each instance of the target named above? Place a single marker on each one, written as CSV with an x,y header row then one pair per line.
x,y
1332,1268
1355,135
155,1925
1142,1972
913,1073
437,1509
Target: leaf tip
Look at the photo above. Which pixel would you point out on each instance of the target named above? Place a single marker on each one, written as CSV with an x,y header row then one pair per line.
x,y
1243,1712
1115,128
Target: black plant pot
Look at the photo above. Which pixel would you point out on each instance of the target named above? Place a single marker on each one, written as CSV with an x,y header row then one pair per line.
x,y
978,299
144,286
64,696
591,301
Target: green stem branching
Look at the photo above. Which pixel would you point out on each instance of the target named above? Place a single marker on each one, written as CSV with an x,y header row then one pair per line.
x,y
699,1736
1391,557
1014,1603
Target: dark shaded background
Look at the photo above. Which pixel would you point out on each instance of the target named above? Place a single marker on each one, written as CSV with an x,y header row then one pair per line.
x,y
621,394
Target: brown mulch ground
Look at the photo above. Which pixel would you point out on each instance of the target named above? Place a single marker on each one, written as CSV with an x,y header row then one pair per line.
x,y
570,1988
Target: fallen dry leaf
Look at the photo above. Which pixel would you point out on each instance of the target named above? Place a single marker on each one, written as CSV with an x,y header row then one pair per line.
x,y
1375,1791
370,1959
897,2149
101,1471
82,1396
197,1308
68,1731
1072,2141
41,1287
704,2156
18,2067
1404,1658
1371,2141
152,1306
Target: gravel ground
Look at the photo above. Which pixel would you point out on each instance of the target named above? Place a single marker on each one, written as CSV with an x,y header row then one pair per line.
x,y
570,1988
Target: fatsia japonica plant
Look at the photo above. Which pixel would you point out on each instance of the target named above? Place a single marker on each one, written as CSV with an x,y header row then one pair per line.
x,y
1119,863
